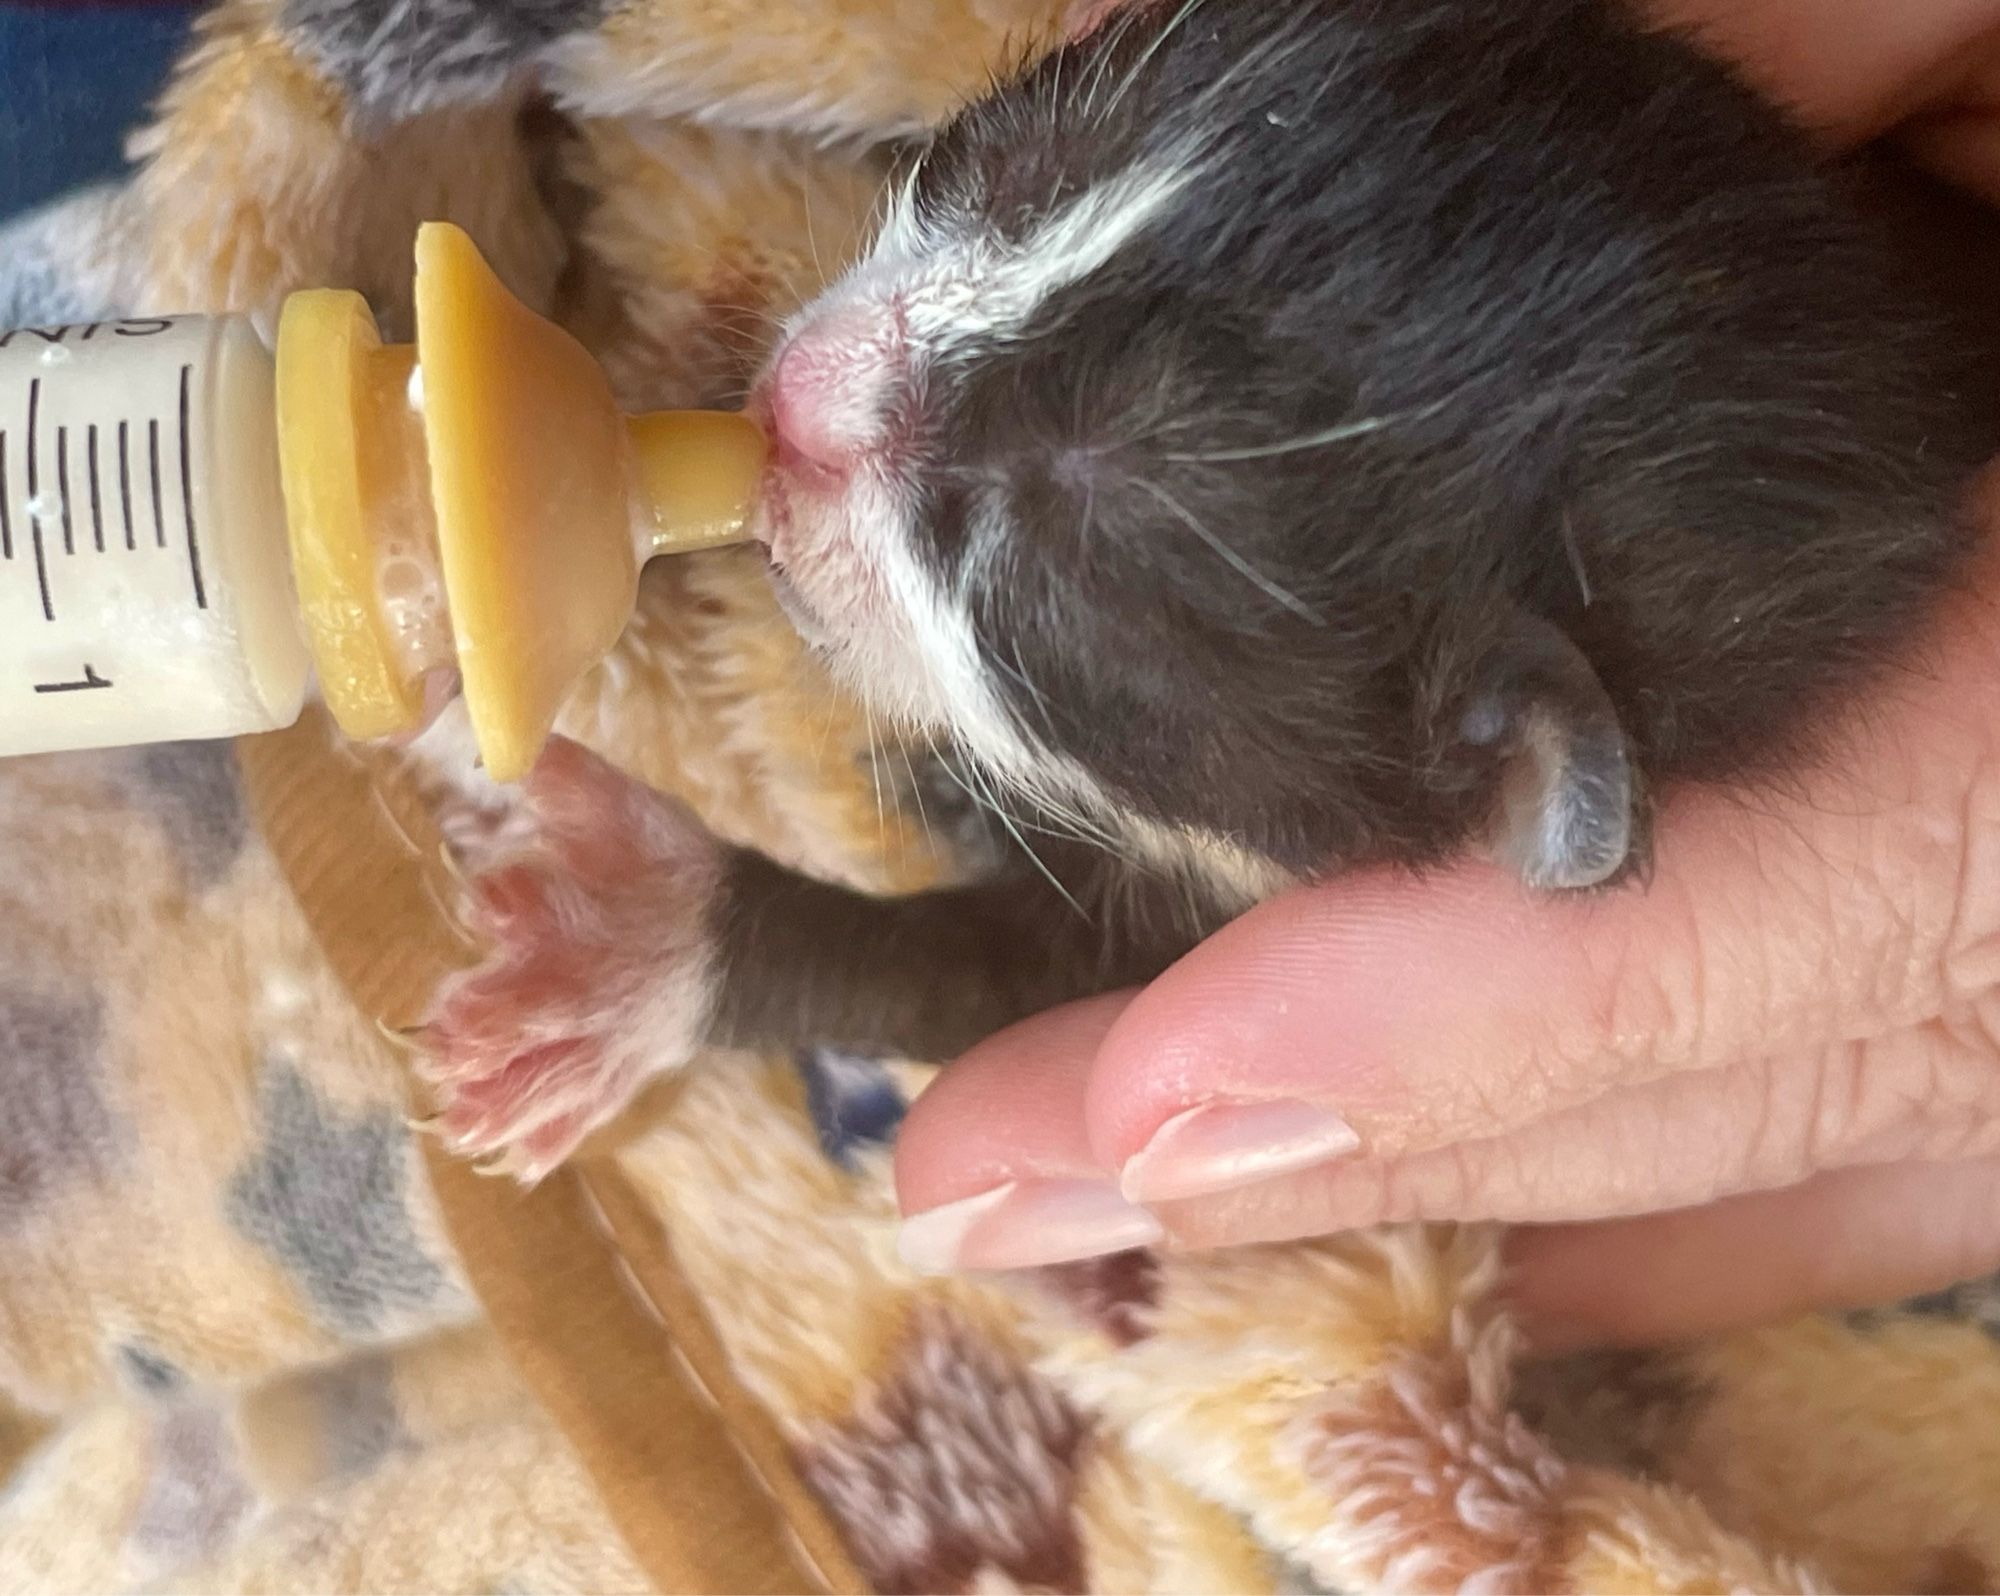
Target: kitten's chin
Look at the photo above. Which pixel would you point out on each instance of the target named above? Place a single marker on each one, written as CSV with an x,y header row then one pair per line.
x,y
804,620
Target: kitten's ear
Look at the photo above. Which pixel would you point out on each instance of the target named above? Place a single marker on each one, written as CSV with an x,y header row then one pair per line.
x,y
1570,811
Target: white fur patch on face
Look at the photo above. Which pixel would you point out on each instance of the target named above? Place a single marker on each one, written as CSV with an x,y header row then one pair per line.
x,y
951,280
957,282
848,549
904,641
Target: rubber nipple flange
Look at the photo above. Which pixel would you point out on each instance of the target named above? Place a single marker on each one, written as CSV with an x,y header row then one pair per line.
x,y
478,499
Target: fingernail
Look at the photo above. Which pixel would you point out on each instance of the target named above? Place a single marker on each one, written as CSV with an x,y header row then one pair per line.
x,y
1024,1223
1221,1146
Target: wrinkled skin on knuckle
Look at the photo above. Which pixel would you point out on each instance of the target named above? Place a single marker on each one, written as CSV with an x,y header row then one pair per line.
x,y
1648,1007
1969,963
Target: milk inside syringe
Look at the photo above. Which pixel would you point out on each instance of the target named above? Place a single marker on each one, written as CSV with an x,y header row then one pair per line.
x,y
192,523
144,588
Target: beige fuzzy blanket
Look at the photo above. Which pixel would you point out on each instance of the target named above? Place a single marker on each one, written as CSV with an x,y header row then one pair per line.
x,y
254,1335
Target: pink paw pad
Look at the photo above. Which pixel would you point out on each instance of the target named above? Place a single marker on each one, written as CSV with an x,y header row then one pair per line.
x,y
599,971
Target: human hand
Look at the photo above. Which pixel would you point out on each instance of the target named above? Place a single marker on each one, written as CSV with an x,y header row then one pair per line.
x,y
1767,1083
1923,73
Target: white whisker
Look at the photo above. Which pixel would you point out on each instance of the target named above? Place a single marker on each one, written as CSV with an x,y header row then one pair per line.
x,y
1187,9
985,800
875,770
917,792
1230,557
812,240
1311,440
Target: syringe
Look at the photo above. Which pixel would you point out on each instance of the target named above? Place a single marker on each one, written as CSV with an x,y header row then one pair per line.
x,y
191,524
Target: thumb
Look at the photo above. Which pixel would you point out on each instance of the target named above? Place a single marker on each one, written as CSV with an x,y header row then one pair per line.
x,y
1854,68
1426,1012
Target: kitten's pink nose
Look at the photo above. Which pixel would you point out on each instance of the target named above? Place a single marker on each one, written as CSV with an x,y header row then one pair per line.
x,y
830,389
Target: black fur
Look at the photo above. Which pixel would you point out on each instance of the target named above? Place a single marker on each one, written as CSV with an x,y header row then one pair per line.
x,y
1655,455
1620,358
809,964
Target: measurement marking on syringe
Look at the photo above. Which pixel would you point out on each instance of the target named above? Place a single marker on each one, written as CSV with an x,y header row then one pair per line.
x,y
125,482
90,680
153,452
187,495
96,501
34,492
62,488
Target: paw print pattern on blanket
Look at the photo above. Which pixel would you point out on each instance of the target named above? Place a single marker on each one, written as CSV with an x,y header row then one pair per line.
x,y
326,1193
55,1126
193,789
1142,1424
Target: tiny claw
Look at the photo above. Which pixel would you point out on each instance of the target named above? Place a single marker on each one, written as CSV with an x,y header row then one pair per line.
x,y
455,915
419,1041
510,1164
404,1038
461,1139
449,859
598,914
391,819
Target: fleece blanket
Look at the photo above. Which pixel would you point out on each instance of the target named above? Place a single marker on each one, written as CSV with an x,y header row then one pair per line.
x,y
245,1341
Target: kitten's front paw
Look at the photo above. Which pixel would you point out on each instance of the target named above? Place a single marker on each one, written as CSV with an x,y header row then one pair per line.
x,y
601,970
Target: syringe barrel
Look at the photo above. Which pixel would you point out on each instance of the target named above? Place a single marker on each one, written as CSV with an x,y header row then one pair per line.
x,y
145,579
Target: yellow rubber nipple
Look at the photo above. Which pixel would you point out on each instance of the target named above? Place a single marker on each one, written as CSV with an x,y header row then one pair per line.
x,y
479,497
